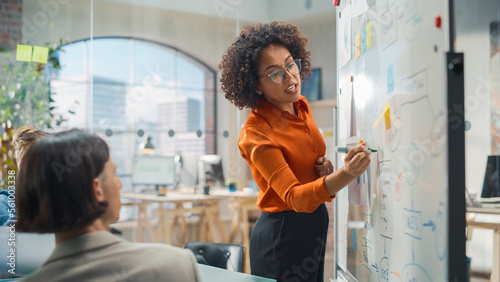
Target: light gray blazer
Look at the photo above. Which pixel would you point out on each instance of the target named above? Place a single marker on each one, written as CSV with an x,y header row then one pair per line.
x,y
102,256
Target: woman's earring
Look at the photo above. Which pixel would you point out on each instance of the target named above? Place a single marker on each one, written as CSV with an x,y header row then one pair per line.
x,y
259,92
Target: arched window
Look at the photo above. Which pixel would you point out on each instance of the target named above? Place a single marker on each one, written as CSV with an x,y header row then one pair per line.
x,y
130,90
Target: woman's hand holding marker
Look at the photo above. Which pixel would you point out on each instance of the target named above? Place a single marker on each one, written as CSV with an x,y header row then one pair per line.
x,y
357,160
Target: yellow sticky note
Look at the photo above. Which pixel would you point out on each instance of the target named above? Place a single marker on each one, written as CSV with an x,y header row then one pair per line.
x,y
40,54
387,117
23,53
52,26
368,35
358,45
386,112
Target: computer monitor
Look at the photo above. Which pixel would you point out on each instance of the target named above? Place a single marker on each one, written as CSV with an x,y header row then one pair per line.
x,y
311,86
188,177
491,184
153,170
210,170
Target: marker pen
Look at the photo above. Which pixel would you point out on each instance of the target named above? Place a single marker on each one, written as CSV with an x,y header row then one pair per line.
x,y
345,149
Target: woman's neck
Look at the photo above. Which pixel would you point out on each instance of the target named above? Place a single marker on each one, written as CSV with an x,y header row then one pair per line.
x,y
291,110
96,226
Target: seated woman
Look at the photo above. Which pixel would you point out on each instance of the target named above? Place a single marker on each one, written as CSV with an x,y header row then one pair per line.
x,y
68,186
23,139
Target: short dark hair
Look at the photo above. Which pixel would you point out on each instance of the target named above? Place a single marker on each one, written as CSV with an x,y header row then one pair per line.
x,y
239,63
54,189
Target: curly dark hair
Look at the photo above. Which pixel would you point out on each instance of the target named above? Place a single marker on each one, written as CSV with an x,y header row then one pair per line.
x,y
239,63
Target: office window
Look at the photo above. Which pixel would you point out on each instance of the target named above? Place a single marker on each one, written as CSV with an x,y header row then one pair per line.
x,y
130,90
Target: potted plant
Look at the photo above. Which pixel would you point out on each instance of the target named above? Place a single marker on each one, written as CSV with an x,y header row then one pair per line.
x,y
25,98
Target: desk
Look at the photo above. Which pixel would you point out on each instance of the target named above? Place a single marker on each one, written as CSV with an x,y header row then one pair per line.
x,y
241,204
208,210
214,274
472,223
483,210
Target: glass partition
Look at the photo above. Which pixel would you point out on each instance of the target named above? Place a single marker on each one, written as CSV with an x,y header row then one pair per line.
x,y
477,36
103,69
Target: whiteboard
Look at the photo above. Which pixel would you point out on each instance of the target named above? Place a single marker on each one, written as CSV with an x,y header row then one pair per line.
x,y
392,221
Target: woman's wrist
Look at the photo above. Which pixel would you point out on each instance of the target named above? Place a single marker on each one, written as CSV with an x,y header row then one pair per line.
x,y
337,180
347,173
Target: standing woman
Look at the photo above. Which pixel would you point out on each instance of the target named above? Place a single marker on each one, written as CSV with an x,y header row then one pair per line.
x,y
262,70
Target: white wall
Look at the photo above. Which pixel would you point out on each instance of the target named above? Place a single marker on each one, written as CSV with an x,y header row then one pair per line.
x,y
320,29
290,10
201,36
253,10
474,40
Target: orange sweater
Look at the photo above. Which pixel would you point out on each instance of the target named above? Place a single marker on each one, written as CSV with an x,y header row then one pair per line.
x,y
281,149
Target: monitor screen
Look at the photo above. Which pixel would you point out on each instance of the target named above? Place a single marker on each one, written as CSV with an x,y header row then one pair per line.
x,y
491,184
311,86
210,170
153,170
188,177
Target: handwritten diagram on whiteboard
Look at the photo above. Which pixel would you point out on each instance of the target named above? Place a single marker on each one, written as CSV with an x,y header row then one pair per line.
x,y
392,221
344,36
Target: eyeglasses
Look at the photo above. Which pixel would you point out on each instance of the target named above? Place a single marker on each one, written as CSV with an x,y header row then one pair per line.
x,y
279,75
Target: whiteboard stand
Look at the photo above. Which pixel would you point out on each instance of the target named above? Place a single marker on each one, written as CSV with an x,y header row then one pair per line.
x,y
456,169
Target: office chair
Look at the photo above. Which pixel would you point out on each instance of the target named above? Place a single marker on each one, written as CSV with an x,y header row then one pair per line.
x,y
226,256
116,231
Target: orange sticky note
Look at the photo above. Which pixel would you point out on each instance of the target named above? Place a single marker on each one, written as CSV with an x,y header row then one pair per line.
x,y
24,53
386,113
358,45
40,54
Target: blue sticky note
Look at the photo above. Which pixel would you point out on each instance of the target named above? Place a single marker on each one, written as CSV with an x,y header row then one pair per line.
x,y
354,231
390,78
363,41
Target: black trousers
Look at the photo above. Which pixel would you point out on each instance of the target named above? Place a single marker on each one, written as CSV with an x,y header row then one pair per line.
x,y
290,246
